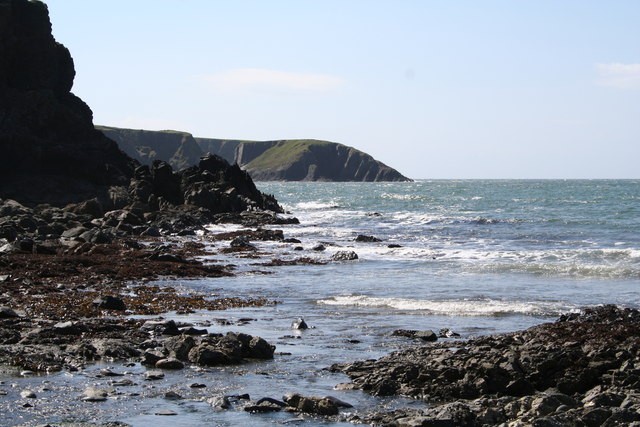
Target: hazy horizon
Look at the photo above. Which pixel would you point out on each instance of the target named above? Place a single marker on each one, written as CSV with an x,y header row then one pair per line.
x,y
436,90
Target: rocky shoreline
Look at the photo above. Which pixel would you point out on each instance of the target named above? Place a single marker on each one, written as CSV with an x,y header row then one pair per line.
x,y
583,370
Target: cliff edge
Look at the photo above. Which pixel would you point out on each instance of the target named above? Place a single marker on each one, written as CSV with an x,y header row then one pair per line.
x,y
281,160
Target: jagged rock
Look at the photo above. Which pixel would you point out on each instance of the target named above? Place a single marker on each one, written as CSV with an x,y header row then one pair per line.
x,y
344,256
311,404
363,238
299,323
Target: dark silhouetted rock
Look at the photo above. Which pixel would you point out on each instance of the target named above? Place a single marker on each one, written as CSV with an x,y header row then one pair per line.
x,y
109,302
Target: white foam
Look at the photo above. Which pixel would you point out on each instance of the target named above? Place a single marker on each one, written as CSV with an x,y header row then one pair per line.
x,y
484,307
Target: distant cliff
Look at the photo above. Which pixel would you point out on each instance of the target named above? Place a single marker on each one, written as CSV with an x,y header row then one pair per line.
x,y
179,149
284,160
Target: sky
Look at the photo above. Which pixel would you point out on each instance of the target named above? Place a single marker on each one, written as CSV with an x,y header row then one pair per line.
x,y
435,89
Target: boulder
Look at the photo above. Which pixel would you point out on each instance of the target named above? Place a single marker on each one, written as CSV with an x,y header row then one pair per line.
x,y
368,239
109,302
299,323
344,256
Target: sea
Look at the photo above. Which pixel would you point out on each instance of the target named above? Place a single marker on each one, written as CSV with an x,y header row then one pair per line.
x,y
475,257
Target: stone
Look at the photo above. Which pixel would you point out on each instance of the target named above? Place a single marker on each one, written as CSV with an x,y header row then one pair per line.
x,y
169,363
154,375
318,248
166,412
7,313
260,349
109,302
27,394
92,394
299,323
172,395
447,333
344,256
362,238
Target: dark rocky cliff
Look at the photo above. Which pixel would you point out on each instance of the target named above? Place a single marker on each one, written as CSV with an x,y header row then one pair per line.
x,y
50,151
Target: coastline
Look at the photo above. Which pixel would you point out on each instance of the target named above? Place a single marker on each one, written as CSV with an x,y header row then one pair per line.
x,y
490,380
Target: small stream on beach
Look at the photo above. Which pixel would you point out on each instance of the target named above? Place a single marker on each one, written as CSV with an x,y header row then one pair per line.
x,y
476,257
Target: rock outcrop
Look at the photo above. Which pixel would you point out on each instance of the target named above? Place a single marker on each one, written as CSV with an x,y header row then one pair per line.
x,y
284,160
49,149
50,152
581,370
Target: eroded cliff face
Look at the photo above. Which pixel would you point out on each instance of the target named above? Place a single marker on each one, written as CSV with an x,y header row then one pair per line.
x,y
49,149
317,161
179,149
282,160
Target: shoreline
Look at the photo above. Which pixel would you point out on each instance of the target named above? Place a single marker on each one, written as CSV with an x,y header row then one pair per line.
x,y
73,334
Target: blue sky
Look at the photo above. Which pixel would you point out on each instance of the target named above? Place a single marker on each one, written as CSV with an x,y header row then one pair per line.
x,y
436,89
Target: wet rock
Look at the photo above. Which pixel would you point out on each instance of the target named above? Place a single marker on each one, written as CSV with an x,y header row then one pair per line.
x,y
266,404
7,313
363,238
106,372
166,412
153,375
162,327
169,363
291,240
109,302
117,349
318,248
197,385
27,394
172,395
260,349
427,335
241,242
299,323
311,404
344,256
219,402
92,394
151,357
447,333
180,346
208,355
394,246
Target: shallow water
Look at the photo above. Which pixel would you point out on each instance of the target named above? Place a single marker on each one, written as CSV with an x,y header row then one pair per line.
x,y
476,257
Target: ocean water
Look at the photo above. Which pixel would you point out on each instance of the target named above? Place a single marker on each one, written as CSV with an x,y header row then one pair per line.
x,y
477,257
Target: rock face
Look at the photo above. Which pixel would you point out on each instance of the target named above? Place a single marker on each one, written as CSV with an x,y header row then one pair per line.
x,y
311,160
49,149
179,149
285,160
51,153
581,370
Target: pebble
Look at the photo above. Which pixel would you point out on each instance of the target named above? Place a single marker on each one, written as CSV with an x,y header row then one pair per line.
x,y
166,412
